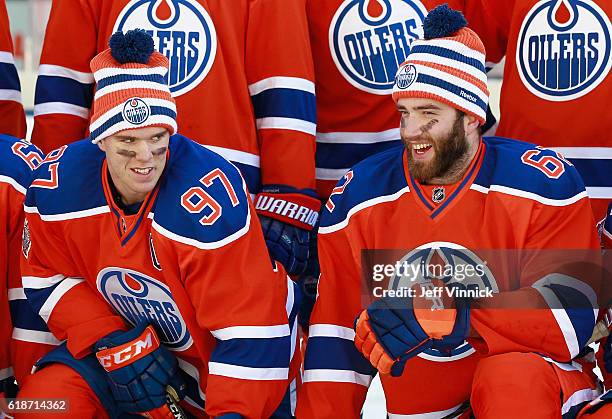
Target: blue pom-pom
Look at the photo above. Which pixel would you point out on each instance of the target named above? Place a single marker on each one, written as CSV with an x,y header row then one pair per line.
x,y
442,22
135,46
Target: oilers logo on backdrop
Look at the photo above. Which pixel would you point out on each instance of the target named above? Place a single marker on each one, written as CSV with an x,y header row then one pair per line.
x,y
135,111
183,31
369,39
563,49
455,266
136,297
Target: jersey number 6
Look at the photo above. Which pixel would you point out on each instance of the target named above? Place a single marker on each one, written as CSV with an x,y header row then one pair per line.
x,y
551,166
196,199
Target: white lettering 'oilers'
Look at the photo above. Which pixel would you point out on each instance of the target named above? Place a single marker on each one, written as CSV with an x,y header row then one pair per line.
x,y
454,258
138,297
287,209
182,30
369,39
564,49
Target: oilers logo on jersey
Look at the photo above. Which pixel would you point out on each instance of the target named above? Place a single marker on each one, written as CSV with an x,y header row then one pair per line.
x,y
452,264
183,31
563,49
135,111
136,297
369,39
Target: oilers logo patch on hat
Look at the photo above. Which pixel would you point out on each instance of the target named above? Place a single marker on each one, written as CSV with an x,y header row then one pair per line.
x,y
369,39
564,49
182,30
136,111
406,76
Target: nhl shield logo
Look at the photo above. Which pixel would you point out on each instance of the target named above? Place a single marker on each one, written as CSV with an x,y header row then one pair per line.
x,y
438,195
182,30
564,49
138,297
406,76
369,39
135,111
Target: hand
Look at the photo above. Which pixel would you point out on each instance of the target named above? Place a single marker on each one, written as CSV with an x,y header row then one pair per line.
x,y
287,215
139,369
394,329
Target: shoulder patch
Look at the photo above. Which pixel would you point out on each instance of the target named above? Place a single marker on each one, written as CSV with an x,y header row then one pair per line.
x,y
529,169
375,177
203,200
19,159
65,172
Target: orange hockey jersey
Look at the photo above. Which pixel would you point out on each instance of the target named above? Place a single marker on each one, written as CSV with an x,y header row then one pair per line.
x,y
516,206
240,71
192,262
357,46
557,82
18,159
12,118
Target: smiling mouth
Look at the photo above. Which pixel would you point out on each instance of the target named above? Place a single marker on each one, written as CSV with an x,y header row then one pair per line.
x,y
143,172
421,149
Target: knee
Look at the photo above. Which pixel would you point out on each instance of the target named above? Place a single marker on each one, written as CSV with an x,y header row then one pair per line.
x,y
517,371
515,385
60,382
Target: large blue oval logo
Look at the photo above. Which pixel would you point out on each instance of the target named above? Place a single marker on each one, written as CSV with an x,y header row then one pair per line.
x,y
563,49
370,39
461,268
183,31
137,297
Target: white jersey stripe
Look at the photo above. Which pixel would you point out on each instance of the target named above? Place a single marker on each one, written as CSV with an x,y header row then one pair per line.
x,y
59,71
281,83
287,123
336,376
247,373
48,108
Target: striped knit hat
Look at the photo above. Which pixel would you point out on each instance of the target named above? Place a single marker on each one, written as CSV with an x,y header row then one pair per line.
x,y
447,65
131,90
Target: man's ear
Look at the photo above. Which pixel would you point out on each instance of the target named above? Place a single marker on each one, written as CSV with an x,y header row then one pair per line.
x,y
102,145
471,124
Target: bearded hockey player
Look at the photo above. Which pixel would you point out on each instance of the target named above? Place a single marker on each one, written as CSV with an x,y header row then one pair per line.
x,y
18,159
12,118
506,210
242,78
147,259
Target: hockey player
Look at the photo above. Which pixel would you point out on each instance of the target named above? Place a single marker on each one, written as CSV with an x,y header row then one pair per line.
x,y
241,74
450,198
18,160
357,47
12,118
156,272
556,74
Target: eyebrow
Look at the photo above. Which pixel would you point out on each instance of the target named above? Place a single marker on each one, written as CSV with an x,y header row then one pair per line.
x,y
129,137
420,108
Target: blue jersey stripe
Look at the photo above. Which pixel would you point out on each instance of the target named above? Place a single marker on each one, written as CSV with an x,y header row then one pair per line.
x,y
579,310
335,353
285,103
254,353
9,79
37,297
345,156
63,89
24,317
594,172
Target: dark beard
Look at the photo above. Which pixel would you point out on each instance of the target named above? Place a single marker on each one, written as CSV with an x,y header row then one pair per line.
x,y
450,151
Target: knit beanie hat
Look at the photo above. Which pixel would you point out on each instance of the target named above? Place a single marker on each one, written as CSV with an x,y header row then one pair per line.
x,y
131,89
448,65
